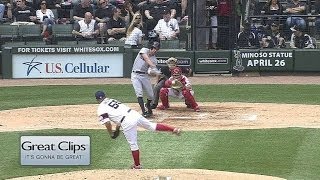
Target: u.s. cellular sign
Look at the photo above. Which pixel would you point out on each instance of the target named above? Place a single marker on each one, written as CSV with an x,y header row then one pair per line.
x,y
67,66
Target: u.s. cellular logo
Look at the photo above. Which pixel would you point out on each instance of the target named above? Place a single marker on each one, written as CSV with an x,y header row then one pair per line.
x,y
32,65
60,68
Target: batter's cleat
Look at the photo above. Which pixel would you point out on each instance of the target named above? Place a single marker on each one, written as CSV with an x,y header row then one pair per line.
x,y
189,106
162,107
147,114
177,131
136,167
197,109
153,106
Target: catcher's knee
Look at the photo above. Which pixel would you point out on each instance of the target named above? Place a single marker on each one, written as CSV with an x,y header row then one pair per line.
x,y
164,92
186,93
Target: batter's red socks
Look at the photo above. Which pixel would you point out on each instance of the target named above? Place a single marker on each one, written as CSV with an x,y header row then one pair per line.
x,y
163,127
136,158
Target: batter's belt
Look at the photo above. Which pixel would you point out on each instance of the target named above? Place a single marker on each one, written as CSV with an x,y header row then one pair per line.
x,y
124,116
139,72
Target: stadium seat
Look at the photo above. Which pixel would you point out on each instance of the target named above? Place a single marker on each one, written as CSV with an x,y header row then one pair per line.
x,y
62,32
55,13
8,33
30,33
117,43
170,44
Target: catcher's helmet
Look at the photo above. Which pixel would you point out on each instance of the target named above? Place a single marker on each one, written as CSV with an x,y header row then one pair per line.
x,y
100,95
176,71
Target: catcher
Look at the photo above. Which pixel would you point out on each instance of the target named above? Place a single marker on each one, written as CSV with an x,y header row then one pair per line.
x,y
166,73
128,119
177,86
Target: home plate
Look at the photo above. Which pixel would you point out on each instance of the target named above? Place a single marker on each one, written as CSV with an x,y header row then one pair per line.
x,y
249,117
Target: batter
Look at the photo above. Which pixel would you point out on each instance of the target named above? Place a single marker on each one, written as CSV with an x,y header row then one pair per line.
x,y
145,64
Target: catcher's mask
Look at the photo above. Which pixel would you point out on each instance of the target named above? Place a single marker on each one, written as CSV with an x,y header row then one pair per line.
x,y
176,73
100,95
172,62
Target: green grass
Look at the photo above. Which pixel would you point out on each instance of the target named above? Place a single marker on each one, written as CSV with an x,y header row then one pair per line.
x,y
288,153
291,153
20,97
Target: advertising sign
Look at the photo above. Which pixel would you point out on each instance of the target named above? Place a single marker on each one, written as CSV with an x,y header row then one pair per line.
x,y
55,150
67,66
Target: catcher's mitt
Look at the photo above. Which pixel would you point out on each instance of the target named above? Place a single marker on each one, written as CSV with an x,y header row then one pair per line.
x,y
176,84
116,133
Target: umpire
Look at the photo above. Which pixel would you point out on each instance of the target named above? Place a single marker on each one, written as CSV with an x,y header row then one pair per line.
x,y
166,73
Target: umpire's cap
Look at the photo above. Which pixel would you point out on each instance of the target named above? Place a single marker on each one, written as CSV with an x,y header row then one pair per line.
x,y
155,45
100,95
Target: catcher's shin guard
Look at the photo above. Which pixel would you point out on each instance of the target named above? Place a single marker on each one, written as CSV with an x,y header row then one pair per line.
x,y
187,103
189,98
164,97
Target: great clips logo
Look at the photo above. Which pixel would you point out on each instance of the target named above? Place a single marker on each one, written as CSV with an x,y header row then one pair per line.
x,y
35,66
55,150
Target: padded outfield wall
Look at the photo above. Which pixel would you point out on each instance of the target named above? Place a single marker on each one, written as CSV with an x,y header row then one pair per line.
x,y
116,61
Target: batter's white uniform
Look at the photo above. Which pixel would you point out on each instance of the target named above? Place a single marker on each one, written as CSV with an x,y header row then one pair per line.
x,y
113,110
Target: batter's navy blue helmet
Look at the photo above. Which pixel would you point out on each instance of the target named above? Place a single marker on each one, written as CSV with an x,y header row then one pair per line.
x,y
100,95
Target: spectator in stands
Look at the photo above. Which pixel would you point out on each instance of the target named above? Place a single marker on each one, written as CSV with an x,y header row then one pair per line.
x,y
273,38
224,10
80,10
22,14
63,8
295,7
246,38
141,3
167,28
2,9
153,12
252,8
200,19
128,10
301,40
134,33
184,5
46,18
86,29
272,7
116,27
102,15
212,15
317,23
